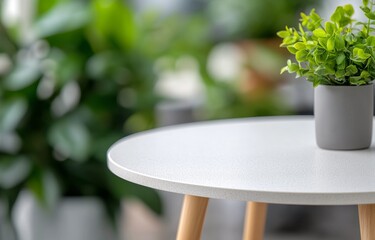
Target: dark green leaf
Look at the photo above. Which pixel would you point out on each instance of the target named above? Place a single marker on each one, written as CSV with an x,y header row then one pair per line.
x,y
340,73
357,80
13,171
67,16
365,9
45,187
370,15
340,58
23,75
71,139
351,70
365,75
11,113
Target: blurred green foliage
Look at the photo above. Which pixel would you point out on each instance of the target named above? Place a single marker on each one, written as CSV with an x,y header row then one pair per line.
x,y
238,19
63,101
84,77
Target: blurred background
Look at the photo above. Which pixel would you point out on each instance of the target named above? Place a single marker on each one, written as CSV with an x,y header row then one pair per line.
x,y
77,75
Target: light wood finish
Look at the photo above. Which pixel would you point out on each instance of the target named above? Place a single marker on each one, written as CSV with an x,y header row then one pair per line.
x,y
255,221
367,221
192,218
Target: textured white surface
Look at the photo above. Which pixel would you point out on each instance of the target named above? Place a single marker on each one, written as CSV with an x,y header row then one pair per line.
x,y
270,159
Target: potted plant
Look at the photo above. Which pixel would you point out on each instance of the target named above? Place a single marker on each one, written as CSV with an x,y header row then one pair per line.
x,y
338,58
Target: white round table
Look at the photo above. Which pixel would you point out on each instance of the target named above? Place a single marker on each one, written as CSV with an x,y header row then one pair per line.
x,y
261,160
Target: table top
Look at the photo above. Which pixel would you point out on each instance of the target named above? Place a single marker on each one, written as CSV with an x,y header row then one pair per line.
x,y
263,159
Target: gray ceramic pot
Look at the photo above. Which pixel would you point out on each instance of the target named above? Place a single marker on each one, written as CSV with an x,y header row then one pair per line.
x,y
343,116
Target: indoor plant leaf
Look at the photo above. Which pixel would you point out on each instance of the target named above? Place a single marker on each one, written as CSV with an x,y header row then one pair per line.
x,y
13,171
64,17
71,139
11,113
24,74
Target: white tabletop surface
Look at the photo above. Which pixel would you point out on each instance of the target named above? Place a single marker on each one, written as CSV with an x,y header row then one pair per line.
x,y
270,159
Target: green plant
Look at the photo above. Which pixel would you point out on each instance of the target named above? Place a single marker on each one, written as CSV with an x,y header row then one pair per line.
x,y
340,52
79,85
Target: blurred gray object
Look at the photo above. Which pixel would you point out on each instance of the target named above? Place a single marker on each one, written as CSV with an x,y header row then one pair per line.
x,y
75,218
175,112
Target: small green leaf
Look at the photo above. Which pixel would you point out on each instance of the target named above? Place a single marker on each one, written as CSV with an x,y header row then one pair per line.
x,y
371,41
370,15
66,16
320,33
340,58
359,53
365,9
71,139
323,42
23,75
331,44
284,69
292,67
299,46
356,80
283,34
291,49
330,27
365,74
350,38
301,55
13,171
339,42
11,114
340,73
337,15
311,44
351,70
365,2
349,10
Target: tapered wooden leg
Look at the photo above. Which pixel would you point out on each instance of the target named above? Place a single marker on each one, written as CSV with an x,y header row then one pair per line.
x,y
192,218
367,221
255,221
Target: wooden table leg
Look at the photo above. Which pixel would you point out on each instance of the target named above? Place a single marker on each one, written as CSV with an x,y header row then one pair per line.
x,y
192,218
255,221
367,221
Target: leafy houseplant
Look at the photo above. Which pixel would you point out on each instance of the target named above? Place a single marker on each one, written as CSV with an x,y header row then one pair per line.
x,y
338,57
67,95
